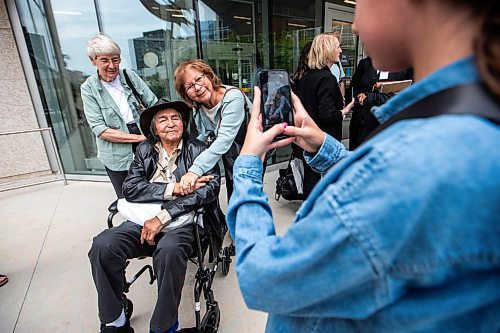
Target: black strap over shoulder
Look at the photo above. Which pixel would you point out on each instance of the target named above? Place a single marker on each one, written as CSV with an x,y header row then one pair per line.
x,y
471,99
134,91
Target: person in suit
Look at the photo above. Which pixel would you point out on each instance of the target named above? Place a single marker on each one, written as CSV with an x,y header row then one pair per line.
x,y
363,82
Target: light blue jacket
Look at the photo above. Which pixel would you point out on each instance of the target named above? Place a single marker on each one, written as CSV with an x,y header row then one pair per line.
x,y
102,113
401,235
232,111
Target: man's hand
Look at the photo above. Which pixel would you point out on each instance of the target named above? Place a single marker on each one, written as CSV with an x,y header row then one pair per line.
x,y
151,228
361,98
202,181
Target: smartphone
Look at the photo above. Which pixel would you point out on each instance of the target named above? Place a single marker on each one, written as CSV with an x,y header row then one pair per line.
x,y
276,102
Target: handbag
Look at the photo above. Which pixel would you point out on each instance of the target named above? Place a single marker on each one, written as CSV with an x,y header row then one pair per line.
x,y
285,184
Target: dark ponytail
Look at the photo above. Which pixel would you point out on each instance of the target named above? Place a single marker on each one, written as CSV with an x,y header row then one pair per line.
x,y
487,46
302,65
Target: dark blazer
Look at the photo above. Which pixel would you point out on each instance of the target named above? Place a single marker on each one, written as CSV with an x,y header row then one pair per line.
x,y
137,188
320,94
362,120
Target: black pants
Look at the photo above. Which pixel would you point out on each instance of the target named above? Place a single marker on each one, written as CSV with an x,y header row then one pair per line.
x,y
311,178
109,253
228,160
118,177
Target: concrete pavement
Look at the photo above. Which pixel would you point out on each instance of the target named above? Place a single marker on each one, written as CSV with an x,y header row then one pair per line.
x,y
47,232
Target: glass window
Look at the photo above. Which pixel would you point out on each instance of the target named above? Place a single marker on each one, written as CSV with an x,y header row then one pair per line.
x,y
229,33
154,36
294,24
236,37
54,83
162,36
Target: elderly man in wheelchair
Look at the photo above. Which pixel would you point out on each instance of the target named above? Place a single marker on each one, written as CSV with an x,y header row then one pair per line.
x,y
160,219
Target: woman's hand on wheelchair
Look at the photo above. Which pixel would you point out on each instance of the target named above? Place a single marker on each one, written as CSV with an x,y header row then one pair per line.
x,y
151,228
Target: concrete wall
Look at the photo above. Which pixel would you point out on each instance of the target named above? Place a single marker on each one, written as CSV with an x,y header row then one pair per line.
x,y
21,155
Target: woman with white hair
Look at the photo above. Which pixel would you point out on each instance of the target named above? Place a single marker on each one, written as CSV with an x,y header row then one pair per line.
x,y
319,91
112,101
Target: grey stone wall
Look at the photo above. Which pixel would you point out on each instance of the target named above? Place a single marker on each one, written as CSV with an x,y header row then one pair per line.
x,y
21,155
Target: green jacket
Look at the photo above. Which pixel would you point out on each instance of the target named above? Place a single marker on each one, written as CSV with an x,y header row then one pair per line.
x,y
102,113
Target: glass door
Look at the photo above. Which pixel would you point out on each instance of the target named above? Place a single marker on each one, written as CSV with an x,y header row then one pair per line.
x,y
339,18
229,40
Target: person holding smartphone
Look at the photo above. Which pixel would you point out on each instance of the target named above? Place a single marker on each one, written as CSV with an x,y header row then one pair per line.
x,y
400,235
320,93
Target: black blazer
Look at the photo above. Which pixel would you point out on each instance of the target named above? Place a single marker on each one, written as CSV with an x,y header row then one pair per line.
x,y
137,188
320,94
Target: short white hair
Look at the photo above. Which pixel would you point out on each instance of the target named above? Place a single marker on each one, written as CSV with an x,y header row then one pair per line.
x,y
101,44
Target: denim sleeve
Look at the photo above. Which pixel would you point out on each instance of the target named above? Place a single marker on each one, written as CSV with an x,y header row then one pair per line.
x,y
294,274
330,152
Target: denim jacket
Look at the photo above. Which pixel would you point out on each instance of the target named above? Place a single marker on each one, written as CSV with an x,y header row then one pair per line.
x,y
102,113
401,235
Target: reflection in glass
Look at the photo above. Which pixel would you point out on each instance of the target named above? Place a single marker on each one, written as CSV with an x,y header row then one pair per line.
x,y
154,38
349,45
229,41
54,83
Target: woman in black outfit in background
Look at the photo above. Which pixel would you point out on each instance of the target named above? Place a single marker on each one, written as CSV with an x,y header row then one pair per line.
x,y
320,94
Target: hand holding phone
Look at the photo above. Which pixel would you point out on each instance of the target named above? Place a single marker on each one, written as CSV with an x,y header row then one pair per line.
x,y
276,102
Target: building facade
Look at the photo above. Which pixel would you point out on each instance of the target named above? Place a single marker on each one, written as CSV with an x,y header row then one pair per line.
x,y
43,61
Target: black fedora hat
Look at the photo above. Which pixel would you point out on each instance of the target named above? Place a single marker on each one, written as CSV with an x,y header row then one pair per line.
x,y
163,104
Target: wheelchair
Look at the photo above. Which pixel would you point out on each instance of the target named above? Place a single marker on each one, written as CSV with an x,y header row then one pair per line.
x,y
203,278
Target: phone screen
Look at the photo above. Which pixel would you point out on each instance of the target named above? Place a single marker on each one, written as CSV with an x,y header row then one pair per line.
x,y
276,104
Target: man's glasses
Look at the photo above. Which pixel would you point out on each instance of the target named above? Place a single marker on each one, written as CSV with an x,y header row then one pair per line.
x,y
105,61
197,82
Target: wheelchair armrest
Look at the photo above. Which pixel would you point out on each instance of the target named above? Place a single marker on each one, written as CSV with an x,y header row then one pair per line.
x,y
113,210
113,207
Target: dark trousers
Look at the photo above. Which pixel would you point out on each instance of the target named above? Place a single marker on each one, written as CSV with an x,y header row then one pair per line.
x,y
109,253
117,178
311,178
228,160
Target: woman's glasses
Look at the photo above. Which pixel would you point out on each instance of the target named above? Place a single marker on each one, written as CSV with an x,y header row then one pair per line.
x,y
197,82
105,61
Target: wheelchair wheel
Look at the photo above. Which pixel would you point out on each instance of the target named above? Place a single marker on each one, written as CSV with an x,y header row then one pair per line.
x,y
212,323
129,308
